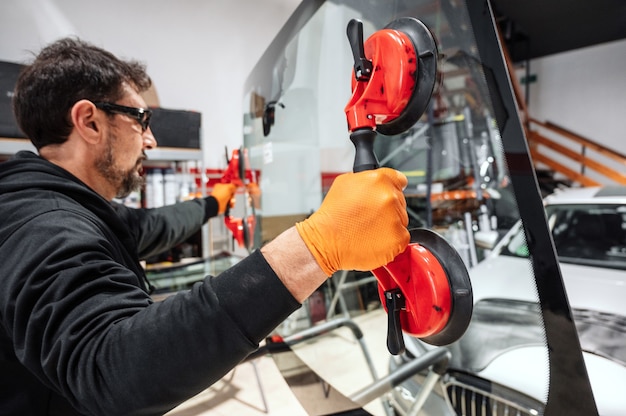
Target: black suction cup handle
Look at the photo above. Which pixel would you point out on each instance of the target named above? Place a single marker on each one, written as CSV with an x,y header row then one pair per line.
x,y
362,66
394,300
364,158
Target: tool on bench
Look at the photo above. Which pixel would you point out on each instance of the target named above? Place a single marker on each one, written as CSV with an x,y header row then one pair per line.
x,y
426,289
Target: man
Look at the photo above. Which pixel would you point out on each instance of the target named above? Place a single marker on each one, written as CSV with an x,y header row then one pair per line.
x,y
79,334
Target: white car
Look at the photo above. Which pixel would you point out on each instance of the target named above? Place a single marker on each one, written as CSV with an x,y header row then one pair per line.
x,y
500,366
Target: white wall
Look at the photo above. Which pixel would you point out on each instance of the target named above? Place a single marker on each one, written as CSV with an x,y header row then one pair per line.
x,y
198,52
584,91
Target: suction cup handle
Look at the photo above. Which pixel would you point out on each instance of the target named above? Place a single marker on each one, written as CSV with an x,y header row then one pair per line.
x,y
364,158
362,66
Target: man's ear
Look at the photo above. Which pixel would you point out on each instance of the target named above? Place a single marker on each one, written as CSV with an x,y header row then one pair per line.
x,y
88,121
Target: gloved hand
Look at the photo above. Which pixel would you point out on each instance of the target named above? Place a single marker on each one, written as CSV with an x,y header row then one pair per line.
x,y
223,193
361,224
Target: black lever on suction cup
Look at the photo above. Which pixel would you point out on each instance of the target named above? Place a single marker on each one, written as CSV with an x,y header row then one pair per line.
x,y
362,65
394,300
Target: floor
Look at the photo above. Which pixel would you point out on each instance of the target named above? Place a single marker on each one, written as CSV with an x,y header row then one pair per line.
x,y
337,357
239,394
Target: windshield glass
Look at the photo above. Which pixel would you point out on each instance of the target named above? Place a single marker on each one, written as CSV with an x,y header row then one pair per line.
x,y
585,234
456,158
589,234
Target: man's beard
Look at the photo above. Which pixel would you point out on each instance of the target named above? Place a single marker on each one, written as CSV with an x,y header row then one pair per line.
x,y
124,181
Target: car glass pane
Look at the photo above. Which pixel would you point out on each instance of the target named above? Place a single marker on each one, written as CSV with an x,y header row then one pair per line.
x,y
600,227
457,159
518,246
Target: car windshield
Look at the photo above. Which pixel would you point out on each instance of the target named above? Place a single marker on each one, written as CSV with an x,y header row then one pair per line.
x,y
589,234
456,159
585,234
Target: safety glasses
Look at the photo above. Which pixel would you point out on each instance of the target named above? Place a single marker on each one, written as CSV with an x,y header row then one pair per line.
x,y
142,115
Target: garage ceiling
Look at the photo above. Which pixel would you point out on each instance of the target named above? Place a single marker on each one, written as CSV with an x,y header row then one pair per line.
x,y
536,28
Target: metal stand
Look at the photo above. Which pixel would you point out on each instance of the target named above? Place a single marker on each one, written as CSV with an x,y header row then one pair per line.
x,y
261,391
338,295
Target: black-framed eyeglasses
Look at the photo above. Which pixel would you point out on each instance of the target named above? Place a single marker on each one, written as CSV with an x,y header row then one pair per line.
x,y
142,115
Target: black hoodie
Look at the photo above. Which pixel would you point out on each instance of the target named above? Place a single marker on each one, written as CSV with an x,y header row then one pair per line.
x,y
79,334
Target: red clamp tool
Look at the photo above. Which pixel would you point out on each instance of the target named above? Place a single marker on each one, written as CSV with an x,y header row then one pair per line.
x,y
238,172
426,289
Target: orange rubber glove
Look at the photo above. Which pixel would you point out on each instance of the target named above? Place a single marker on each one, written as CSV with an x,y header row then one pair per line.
x,y
223,193
361,224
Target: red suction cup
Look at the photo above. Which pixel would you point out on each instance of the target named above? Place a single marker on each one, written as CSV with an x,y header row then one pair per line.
x,y
426,290
395,75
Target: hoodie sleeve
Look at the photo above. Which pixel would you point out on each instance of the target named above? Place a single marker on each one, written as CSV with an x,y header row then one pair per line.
x,y
159,229
79,322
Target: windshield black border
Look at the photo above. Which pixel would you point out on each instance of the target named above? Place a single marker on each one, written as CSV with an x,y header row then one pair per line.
x,y
569,389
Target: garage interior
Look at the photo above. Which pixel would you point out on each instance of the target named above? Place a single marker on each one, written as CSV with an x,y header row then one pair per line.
x,y
331,350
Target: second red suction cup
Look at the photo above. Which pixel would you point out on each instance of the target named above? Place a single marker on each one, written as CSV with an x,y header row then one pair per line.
x,y
426,292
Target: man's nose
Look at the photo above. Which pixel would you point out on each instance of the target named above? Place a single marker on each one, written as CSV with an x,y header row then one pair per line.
x,y
149,140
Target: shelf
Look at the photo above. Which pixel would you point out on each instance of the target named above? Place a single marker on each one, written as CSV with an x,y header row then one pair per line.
x,y
173,153
10,146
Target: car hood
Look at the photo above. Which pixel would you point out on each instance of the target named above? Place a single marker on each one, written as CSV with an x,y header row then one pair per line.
x,y
526,370
596,296
505,340
510,277
595,288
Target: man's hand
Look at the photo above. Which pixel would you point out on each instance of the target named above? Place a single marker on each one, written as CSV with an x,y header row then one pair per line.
x,y
223,193
361,224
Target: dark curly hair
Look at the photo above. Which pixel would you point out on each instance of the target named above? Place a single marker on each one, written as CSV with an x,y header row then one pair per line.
x,y
63,73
